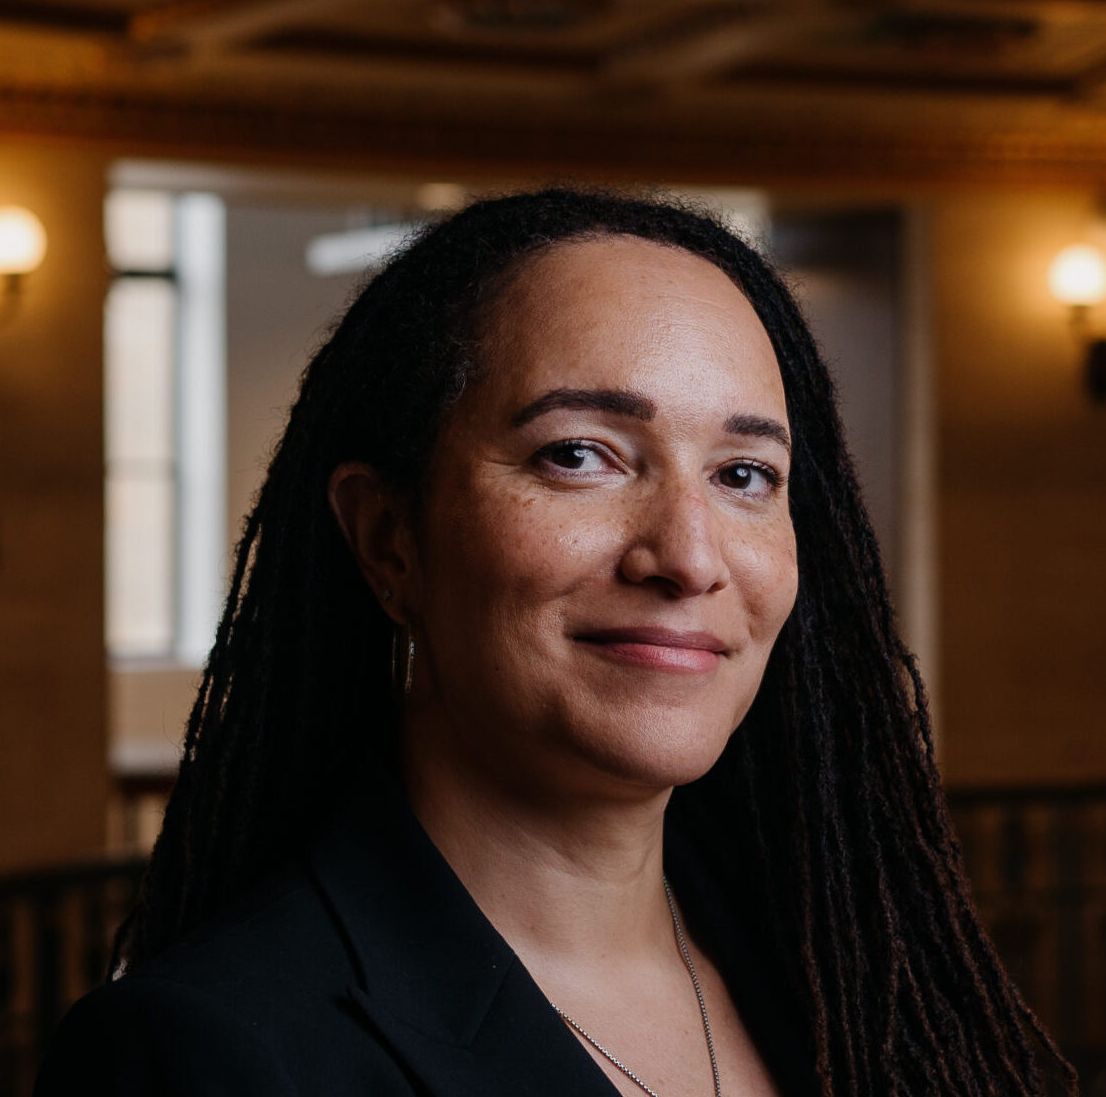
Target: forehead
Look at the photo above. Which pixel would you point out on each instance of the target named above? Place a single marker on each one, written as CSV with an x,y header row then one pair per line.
x,y
621,311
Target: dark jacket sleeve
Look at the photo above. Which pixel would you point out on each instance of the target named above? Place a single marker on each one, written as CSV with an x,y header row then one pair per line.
x,y
150,1037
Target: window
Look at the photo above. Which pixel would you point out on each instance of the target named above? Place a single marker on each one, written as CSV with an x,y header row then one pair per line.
x,y
164,415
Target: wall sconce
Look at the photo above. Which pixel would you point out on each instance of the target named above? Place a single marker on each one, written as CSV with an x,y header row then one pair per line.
x,y
22,247
1077,278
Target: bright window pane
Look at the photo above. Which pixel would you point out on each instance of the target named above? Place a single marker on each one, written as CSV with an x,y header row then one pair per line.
x,y
139,564
138,364
164,398
139,229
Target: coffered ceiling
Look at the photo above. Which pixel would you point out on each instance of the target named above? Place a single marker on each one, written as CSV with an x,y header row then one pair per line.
x,y
744,90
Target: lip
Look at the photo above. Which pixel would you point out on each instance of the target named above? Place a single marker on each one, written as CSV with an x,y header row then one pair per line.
x,y
656,647
655,635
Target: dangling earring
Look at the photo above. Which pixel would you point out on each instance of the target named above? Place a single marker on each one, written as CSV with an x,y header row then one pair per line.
x,y
408,661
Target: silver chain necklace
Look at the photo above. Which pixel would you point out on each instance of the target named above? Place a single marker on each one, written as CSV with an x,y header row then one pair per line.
x,y
685,952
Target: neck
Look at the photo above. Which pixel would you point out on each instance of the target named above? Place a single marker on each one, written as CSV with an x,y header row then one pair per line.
x,y
567,880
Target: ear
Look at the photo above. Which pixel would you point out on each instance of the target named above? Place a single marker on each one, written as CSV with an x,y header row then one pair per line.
x,y
376,526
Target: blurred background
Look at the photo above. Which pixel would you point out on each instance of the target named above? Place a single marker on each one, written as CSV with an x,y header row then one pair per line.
x,y
190,190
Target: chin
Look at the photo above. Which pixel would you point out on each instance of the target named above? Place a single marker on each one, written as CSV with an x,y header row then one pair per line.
x,y
657,754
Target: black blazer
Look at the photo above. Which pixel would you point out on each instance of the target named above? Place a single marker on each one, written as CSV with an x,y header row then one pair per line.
x,y
365,968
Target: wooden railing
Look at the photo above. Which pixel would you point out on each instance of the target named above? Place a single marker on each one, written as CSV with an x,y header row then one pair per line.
x,y
56,927
1037,861
1036,857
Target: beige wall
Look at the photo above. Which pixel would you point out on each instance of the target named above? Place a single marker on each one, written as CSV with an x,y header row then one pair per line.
x,y
1021,489
278,313
53,784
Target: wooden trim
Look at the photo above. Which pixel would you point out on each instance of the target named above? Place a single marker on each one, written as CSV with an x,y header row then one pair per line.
x,y
746,153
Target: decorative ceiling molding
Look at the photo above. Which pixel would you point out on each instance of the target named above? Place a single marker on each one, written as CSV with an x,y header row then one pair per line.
x,y
793,91
219,24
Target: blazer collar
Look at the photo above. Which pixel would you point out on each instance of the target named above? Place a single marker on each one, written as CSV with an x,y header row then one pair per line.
x,y
438,984
435,980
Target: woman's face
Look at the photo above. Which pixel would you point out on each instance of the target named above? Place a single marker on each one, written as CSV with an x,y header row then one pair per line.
x,y
605,556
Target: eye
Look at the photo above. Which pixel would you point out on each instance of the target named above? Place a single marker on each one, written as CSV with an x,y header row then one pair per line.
x,y
571,456
750,477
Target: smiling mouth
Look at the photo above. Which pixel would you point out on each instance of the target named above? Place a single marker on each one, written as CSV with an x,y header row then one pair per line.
x,y
656,648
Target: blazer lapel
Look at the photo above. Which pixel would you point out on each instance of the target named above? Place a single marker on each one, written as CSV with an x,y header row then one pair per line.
x,y
435,981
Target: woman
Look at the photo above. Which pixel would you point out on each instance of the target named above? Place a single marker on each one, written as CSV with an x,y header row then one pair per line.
x,y
562,503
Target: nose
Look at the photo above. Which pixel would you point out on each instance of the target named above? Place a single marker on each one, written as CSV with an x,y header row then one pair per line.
x,y
675,542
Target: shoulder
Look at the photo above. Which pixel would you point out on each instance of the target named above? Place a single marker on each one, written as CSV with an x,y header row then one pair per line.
x,y
146,1034
277,940
254,1002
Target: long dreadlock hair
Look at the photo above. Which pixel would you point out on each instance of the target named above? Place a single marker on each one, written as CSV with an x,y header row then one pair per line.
x,y
825,807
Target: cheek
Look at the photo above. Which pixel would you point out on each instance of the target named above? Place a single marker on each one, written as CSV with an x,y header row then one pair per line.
x,y
769,579
508,551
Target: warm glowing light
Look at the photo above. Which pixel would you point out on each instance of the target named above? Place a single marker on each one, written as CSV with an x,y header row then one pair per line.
x,y
22,240
1078,275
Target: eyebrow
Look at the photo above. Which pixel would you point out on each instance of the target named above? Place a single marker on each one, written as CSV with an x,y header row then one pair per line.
x,y
759,427
634,404
620,401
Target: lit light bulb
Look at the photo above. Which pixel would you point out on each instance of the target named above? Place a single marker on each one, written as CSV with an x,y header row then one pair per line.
x,y
22,240
1077,275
